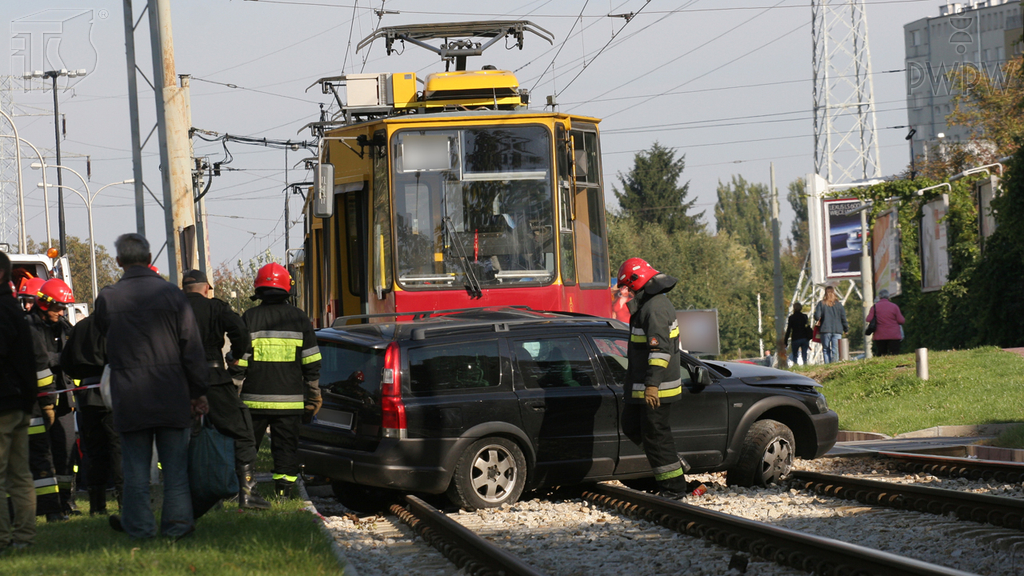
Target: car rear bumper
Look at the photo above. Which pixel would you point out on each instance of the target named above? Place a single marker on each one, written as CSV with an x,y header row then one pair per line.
x,y
826,428
381,467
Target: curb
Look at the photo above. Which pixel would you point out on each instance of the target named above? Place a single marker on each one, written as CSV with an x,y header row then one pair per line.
x,y
346,566
933,432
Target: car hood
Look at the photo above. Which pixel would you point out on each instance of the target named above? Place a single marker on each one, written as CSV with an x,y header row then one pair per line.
x,y
755,375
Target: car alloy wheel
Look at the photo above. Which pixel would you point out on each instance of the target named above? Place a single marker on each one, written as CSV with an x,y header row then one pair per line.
x,y
491,472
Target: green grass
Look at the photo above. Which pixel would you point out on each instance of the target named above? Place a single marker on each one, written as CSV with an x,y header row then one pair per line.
x,y
1012,438
283,540
967,387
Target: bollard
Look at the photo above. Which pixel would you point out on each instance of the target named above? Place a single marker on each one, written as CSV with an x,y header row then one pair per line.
x,y
844,349
921,355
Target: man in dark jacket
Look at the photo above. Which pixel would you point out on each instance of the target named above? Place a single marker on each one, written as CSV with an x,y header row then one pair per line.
x,y
227,412
158,378
51,438
17,400
281,371
84,357
653,377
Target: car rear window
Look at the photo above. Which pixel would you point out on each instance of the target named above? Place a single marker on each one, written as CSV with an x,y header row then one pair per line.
x,y
350,369
454,366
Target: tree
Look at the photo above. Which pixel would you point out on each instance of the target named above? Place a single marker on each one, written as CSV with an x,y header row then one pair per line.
x,y
744,213
107,271
990,105
235,286
650,191
797,197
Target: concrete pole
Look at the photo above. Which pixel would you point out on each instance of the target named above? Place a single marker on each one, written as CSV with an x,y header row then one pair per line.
x,y
172,128
866,276
287,223
780,313
133,112
921,357
61,238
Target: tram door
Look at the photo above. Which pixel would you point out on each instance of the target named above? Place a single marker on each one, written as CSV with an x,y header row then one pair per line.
x,y
350,219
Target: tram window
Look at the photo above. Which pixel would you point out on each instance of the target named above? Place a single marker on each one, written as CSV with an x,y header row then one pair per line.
x,y
425,152
592,257
381,250
587,157
497,196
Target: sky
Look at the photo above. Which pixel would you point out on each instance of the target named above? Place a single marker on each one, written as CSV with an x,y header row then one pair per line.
x,y
726,84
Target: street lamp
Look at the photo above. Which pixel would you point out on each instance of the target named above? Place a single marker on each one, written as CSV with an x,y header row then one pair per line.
x,y
53,75
88,198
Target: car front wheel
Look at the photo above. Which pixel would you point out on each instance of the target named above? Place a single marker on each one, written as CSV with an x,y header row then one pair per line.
x,y
766,456
491,472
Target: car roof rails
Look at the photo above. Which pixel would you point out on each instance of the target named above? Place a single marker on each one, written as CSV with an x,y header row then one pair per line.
x,y
342,321
504,325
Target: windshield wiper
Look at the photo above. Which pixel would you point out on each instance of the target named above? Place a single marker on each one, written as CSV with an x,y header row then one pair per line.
x,y
475,291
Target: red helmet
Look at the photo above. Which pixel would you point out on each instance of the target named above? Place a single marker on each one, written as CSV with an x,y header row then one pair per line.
x,y
54,291
634,273
30,287
273,275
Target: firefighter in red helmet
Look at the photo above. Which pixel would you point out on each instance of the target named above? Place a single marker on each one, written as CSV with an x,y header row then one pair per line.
x,y
27,292
654,381
281,372
52,421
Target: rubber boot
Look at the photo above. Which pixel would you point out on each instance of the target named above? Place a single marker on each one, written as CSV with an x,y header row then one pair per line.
x,y
97,501
283,489
248,496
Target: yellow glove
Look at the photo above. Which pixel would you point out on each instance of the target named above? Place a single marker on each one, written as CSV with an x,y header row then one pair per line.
x,y
49,415
651,396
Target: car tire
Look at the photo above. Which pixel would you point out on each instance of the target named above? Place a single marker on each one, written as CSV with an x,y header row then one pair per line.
x,y
363,499
766,456
491,472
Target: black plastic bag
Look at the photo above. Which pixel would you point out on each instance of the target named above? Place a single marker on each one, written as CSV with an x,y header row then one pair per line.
x,y
872,326
211,467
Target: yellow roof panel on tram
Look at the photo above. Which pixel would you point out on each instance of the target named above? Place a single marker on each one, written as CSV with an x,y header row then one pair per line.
x,y
471,80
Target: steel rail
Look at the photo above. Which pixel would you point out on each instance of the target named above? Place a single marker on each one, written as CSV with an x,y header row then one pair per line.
x,y
781,545
997,510
466,549
955,467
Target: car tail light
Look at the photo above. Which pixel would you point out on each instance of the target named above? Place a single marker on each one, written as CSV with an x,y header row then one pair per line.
x,y
392,408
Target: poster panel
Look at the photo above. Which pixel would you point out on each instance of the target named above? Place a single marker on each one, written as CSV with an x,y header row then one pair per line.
x,y
986,191
844,241
885,251
698,332
934,255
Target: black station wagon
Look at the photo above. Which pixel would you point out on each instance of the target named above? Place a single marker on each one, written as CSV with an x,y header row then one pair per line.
x,y
482,404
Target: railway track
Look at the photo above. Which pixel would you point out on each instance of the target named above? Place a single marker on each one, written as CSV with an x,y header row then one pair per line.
x,y
996,510
970,468
787,547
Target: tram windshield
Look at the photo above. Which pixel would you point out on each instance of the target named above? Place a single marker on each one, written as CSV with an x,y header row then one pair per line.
x,y
483,193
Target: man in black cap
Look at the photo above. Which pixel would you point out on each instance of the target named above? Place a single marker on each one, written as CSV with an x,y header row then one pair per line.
x,y
227,412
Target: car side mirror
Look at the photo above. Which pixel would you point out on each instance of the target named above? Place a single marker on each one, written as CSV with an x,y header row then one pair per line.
x,y
703,376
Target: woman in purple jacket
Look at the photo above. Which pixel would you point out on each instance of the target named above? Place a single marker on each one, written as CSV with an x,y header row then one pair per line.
x,y
888,320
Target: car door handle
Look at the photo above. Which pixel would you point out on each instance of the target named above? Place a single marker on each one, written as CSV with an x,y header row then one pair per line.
x,y
538,405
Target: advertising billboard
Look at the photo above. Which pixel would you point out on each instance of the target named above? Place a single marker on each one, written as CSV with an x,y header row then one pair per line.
x,y
844,241
934,257
885,252
986,190
698,332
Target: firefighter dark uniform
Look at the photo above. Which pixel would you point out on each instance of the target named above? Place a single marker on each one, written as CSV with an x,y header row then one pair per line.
x,y
51,429
227,412
653,381
281,371
84,357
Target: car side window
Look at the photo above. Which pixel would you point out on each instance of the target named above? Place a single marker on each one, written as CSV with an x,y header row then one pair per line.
x,y
613,352
454,366
553,362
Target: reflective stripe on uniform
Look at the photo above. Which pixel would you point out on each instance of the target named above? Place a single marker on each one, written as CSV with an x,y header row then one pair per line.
x,y
244,360
667,471
285,477
274,401
45,486
658,359
311,355
65,481
673,329
638,335
665,389
44,377
275,345
36,426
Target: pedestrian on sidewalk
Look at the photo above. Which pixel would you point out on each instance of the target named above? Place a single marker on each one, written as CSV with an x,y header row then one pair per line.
x,y
798,334
158,380
888,320
831,317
